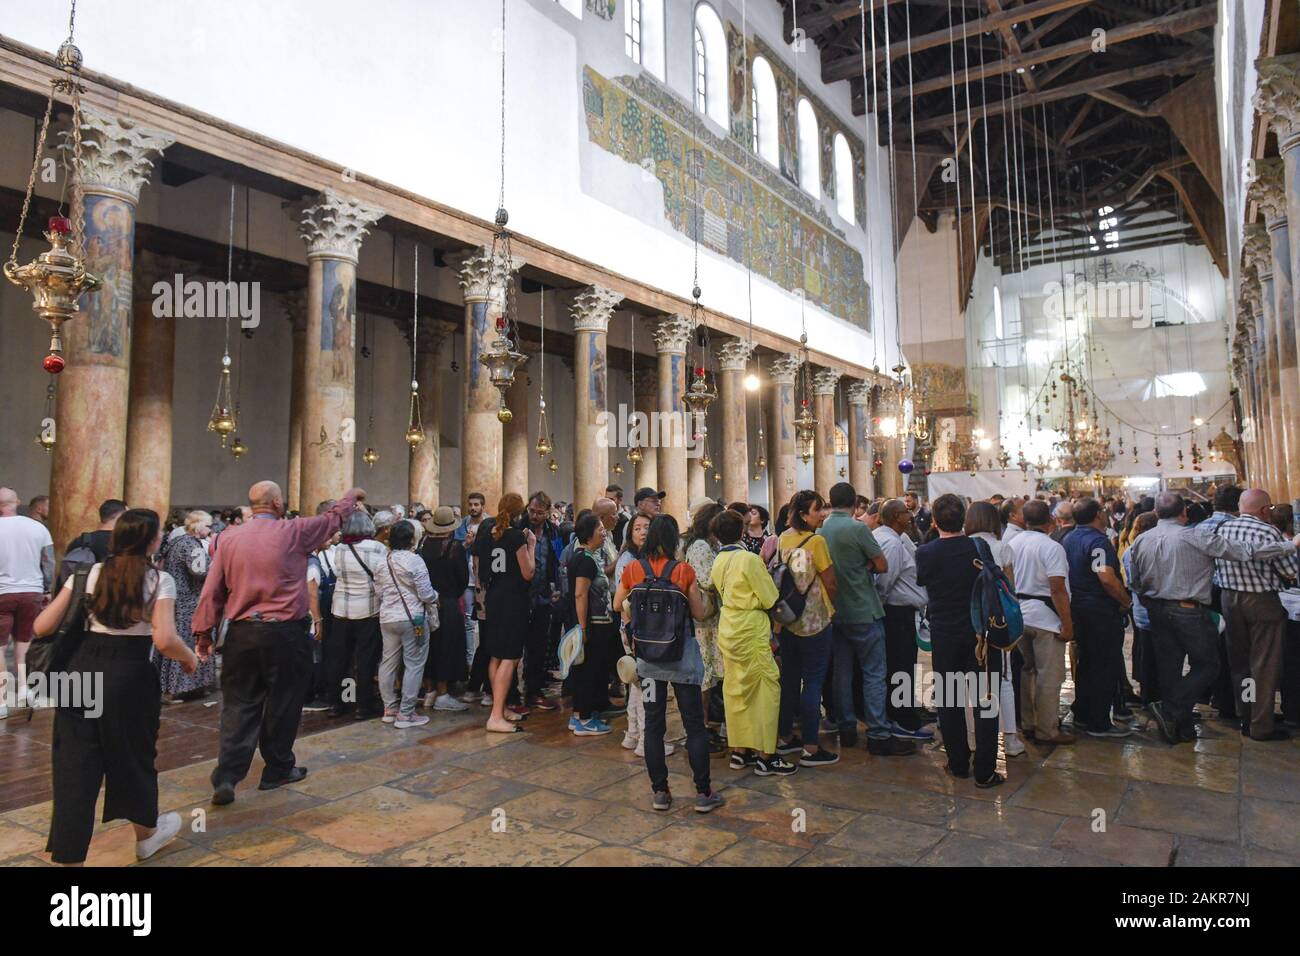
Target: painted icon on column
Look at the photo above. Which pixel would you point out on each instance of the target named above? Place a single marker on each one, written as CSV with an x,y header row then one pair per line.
x,y
338,321
110,237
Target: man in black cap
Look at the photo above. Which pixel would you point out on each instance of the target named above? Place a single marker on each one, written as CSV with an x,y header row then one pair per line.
x,y
648,502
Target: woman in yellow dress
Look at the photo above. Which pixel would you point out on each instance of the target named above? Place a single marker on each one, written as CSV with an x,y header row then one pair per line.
x,y
752,689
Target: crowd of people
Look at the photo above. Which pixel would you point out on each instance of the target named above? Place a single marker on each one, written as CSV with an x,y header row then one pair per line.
x,y
780,640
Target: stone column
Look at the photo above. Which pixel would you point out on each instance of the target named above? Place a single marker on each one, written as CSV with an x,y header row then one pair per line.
x,y
645,399
332,226
1268,190
424,483
1270,429
91,405
149,407
782,480
1259,253
516,437
483,283
591,311
671,338
860,454
733,449
1278,99
697,478
295,309
824,471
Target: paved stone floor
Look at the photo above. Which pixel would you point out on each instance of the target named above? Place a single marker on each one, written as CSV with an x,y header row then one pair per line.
x,y
451,794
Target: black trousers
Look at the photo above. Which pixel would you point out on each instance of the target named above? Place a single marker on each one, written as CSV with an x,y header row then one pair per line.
x,y
1144,665
264,678
900,665
536,650
116,747
956,668
1099,636
356,646
591,677
690,704
1177,634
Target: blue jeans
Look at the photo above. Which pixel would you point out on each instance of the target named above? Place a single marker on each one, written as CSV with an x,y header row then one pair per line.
x,y
860,649
804,662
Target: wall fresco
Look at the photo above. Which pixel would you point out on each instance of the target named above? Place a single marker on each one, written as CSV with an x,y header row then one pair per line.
x,y
715,191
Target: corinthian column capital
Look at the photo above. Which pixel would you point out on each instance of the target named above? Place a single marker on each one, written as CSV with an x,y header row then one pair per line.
x,y
1268,188
784,370
1256,253
482,277
734,356
592,308
333,225
824,382
859,393
1278,96
673,334
117,153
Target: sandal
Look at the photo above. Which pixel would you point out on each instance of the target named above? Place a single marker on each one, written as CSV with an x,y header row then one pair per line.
x,y
502,730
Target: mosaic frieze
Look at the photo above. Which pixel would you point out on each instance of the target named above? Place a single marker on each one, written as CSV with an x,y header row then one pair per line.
x,y
734,206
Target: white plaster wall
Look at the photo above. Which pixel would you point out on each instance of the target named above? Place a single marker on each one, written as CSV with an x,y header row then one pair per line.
x,y
408,92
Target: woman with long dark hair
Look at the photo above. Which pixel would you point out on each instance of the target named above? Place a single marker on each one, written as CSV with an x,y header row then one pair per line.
x,y
505,558
662,541
634,538
110,736
592,613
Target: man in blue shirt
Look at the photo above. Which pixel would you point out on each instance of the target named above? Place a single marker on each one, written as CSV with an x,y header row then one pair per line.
x,y
1098,601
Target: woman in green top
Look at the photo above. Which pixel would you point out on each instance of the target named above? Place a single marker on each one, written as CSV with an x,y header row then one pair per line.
x,y
752,689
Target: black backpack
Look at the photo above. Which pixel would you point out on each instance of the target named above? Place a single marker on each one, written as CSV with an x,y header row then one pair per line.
x,y
660,616
79,557
47,656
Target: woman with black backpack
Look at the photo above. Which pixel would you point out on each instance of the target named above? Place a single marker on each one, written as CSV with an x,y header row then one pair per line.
x,y
685,673
112,739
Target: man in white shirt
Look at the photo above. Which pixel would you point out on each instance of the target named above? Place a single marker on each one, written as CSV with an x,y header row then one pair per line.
x,y
1042,585
902,597
1013,518
26,574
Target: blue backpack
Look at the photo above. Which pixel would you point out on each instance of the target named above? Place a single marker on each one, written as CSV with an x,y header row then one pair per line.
x,y
994,611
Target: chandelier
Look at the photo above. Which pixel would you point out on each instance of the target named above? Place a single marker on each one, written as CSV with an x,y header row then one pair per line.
x,y
501,359
57,278
805,422
1085,446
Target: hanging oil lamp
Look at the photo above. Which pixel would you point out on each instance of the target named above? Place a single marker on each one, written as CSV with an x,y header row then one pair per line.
x,y
237,448
618,468
57,278
222,421
414,422
370,456
45,435
634,455
552,467
415,427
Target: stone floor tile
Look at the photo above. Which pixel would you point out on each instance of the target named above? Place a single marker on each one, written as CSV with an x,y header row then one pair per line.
x,y
1070,793
688,841
1185,810
967,849
376,820
1128,845
888,838
478,843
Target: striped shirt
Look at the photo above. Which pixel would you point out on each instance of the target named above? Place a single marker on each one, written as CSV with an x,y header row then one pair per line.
x,y
1256,576
355,594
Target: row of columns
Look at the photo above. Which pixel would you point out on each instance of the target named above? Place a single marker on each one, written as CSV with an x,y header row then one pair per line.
x,y
114,411
1265,349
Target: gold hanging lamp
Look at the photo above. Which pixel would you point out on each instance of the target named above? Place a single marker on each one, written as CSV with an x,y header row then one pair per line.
x,y
45,435
544,445
414,422
57,278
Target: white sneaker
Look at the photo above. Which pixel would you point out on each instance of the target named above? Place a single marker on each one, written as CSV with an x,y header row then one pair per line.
x,y
632,742
469,697
668,749
415,720
22,695
169,824
485,700
1013,745
447,702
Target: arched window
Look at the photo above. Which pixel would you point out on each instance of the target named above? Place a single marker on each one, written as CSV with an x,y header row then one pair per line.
x,y
643,34
764,108
710,65
809,147
844,178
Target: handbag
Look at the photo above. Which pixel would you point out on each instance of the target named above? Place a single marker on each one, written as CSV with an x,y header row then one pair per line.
x,y
50,655
418,622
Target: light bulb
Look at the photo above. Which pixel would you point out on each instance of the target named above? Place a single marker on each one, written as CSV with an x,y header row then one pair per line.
x,y
1198,422
978,433
751,383
986,444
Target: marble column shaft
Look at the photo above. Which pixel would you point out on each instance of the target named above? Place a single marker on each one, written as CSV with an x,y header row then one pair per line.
x,y
424,482
824,471
782,477
671,338
91,405
860,454
592,431
149,408
332,226
295,308
516,435
733,450
645,398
